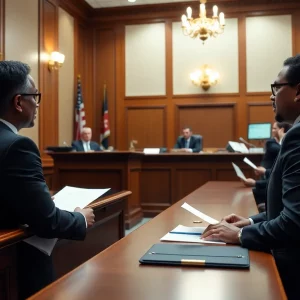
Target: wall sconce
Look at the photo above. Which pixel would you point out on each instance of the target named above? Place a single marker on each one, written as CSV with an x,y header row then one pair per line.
x,y
205,77
56,60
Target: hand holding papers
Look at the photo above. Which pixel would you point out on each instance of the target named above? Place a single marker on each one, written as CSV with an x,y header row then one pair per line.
x,y
66,199
250,163
238,172
187,234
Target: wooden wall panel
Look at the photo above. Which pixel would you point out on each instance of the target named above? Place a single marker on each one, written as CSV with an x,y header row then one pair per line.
x,y
2,30
48,131
147,125
216,123
105,70
260,112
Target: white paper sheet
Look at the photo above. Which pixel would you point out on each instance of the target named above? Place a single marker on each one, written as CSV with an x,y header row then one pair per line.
x,y
238,172
186,237
250,163
66,199
199,214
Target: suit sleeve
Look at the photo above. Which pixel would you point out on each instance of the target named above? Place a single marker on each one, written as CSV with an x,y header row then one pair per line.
x,y
196,147
283,231
97,146
30,199
74,146
177,145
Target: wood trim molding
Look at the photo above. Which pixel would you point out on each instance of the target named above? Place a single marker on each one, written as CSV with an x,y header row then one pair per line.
x,y
145,98
2,29
81,9
204,95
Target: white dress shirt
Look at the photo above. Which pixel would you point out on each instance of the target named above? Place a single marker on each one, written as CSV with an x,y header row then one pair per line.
x,y
11,126
86,146
187,144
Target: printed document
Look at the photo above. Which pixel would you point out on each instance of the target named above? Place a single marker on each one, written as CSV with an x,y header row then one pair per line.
x,y
66,199
238,172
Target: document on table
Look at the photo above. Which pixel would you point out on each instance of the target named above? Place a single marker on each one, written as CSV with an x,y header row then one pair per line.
x,y
187,234
238,172
199,214
250,163
66,199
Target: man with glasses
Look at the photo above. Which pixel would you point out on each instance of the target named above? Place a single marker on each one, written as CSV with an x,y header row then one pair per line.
x,y
277,230
25,198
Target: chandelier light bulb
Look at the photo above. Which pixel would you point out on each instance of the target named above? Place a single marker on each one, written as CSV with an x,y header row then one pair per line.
x,y
204,77
203,27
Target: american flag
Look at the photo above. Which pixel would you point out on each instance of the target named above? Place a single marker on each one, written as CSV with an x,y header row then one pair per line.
x,y
79,113
105,131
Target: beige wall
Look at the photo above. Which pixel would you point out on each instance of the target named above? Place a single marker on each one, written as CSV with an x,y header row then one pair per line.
x,y
66,78
21,42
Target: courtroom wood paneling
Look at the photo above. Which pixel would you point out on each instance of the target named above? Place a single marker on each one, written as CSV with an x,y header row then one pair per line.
x,y
105,71
48,130
162,179
215,122
228,175
2,29
188,180
260,112
147,125
109,178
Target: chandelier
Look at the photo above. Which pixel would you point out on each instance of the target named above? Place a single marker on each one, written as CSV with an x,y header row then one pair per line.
x,y
203,27
205,77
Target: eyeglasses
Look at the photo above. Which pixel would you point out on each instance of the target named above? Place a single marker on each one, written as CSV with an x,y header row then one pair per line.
x,y
276,86
37,97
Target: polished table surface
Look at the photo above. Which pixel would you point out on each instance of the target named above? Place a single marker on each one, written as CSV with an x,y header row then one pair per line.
x,y
116,273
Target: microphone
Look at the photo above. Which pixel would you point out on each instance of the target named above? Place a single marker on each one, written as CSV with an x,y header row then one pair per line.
x,y
246,143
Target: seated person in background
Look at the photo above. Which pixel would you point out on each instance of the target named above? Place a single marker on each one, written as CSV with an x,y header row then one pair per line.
x,y
272,149
189,142
85,144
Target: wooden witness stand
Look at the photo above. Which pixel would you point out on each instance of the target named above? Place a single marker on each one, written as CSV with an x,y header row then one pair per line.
x,y
108,228
116,273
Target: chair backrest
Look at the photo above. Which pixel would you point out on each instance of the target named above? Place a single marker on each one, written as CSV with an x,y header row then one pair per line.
x,y
199,137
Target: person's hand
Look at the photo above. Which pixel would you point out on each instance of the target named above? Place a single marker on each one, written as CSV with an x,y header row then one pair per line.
x,y
260,171
89,215
249,182
222,231
237,221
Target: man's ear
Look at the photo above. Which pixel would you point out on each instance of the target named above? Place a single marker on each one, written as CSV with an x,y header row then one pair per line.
x,y
297,98
17,103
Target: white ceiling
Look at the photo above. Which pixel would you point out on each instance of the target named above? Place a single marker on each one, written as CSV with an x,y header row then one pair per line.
x,y
115,3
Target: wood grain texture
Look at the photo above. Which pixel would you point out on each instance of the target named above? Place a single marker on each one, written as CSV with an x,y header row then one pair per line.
x,y
120,267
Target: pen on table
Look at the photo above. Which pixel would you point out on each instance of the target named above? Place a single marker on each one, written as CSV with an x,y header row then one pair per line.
x,y
197,221
190,233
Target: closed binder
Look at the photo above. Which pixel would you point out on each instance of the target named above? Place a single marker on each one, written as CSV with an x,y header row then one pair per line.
x,y
197,255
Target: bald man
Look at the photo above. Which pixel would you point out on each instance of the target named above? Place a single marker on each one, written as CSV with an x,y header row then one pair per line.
x,y
85,144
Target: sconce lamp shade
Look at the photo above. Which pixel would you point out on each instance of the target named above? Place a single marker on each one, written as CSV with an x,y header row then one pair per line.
x,y
56,60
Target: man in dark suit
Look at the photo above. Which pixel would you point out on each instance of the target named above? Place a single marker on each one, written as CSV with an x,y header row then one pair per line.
x,y
85,144
188,142
278,230
25,198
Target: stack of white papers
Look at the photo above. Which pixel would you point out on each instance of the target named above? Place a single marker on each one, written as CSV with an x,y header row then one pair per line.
x,y
66,199
187,234
250,163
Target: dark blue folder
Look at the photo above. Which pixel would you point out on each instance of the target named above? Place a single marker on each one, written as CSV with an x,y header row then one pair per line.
x,y
197,255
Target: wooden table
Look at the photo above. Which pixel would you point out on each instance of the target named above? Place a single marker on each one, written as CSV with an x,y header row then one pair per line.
x,y
156,180
116,274
109,227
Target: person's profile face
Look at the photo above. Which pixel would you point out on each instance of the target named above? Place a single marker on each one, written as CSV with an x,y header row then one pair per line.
x,y
86,135
275,130
285,108
186,133
29,105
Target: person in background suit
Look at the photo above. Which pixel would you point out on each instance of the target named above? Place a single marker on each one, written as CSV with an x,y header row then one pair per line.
x,y
187,142
272,149
85,144
278,229
25,197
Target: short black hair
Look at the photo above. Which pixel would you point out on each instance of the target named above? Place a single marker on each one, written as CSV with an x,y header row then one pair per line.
x,y
293,72
286,126
13,79
187,127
